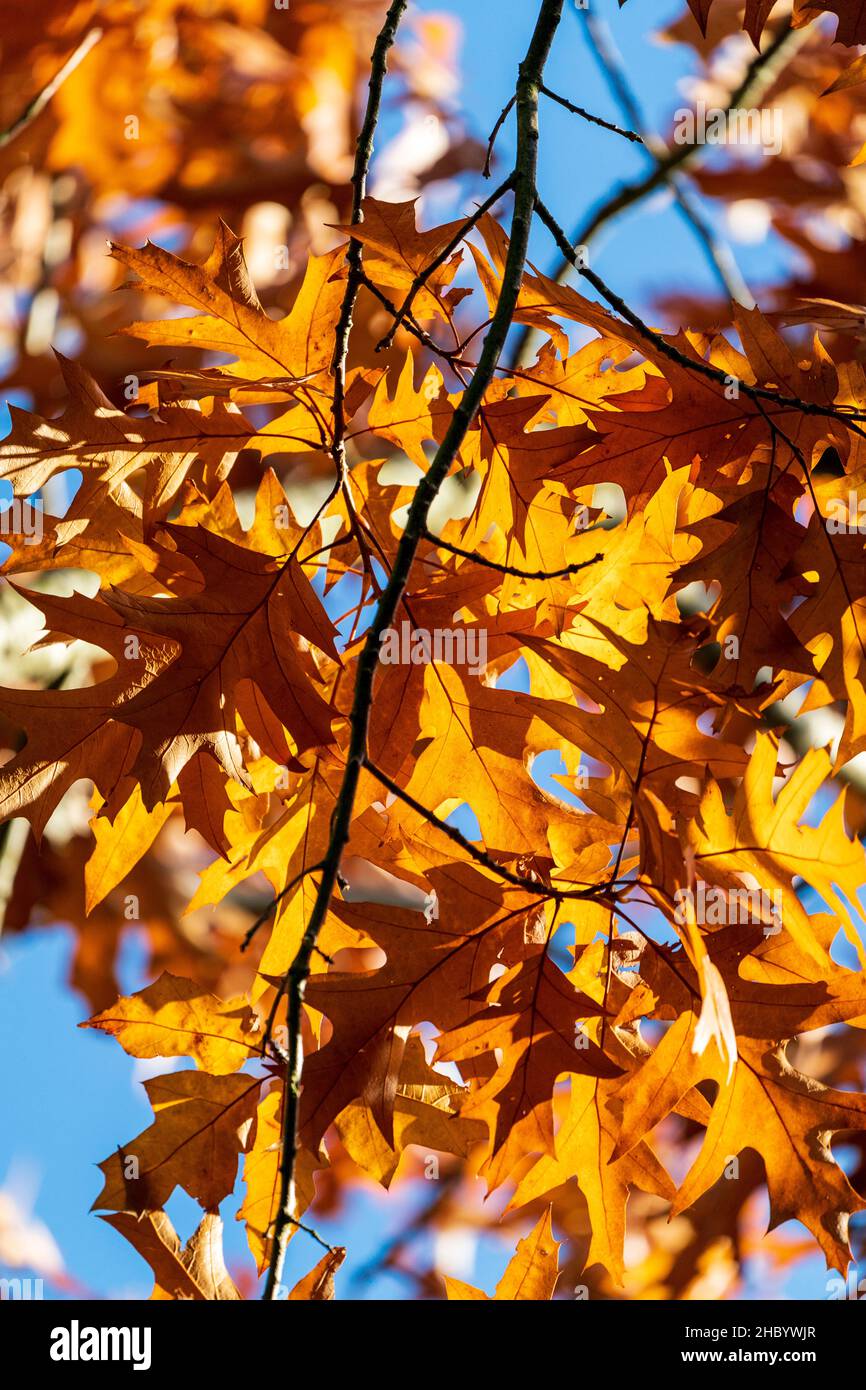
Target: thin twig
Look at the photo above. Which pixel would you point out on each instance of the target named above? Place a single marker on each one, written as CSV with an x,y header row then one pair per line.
x,y
595,120
528,885
529,78
308,1231
424,275
717,252
296,978
500,121
759,77
510,569
42,98
661,344
451,357
609,60
260,921
355,252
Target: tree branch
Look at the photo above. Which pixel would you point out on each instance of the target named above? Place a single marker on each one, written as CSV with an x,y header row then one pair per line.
x,y
452,357
355,252
759,77
296,977
517,880
761,73
41,100
594,120
509,569
717,252
500,121
661,344
527,89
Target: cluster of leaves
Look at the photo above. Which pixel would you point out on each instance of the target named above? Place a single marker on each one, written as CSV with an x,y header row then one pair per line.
x,y
170,116
443,1014
235,106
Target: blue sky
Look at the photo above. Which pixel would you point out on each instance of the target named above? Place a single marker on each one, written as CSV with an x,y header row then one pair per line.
x,y
68,1096
651,248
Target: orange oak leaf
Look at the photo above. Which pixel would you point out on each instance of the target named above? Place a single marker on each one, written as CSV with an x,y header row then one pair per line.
x,y
201,1125
186,667
531,1273
196,1271
175,1018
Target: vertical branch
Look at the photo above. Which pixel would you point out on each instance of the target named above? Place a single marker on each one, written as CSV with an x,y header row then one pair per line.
x,y
527,93
355,254
300,969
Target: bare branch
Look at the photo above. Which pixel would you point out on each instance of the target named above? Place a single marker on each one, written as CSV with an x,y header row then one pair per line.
x,y
300,969
759,77
595,120
355,253
308,1231
717,252
500,121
